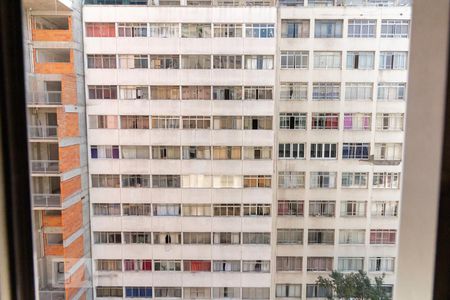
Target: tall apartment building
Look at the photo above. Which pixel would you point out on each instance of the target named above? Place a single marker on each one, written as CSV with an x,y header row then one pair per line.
x,y
240,149
58,160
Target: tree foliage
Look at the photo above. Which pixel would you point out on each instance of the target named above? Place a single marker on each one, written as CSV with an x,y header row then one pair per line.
x,y
353,286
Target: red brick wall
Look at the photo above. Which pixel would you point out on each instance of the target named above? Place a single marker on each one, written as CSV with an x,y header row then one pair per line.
x,y
69,158
52,35
68,89
72,219
73,252
70,187
67,124
54,67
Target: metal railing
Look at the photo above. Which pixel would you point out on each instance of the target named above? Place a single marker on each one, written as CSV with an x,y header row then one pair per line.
x,y
45,98
43,132
45,166
46,200
52,295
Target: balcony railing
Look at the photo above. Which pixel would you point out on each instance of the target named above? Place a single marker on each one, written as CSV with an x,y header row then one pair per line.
x,y
45,98
45,166
52,295
43,132
46,200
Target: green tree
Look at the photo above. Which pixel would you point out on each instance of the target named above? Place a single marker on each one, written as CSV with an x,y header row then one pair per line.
x,y
353,286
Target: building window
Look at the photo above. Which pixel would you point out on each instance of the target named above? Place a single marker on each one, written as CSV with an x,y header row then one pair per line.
x,y
105,152
254,152
100,30
326,91
289,263
137,264
226,266
227,152
196,181
388,91
259,62
357,121
136,61
197,210
226,292
358,91
291,151
164,61
227,181
258,123
352,236
196,92
227,122
320,264
325,121
109,291
135,152
165,122
197,293
388,151
196,152
382,236
167,265
360,60
327,60
256,210
135,209
322,208
196,266
288,291
323,151
101,61
227,210
294,91
132,29
353,208
105,180
195,61
289,236
259,30
362,28
227,238
227,93
386,180
355,150
253,238
292,3
321,236
166,210
133,93
257,181
197,238
255,293
350,264
316,291
393,60
290,208
163,30
384,209
320,3
323,180
295,28
165,92
227,30
166,238
294,59
256,266
167,292
105,237
106,209
381,264
136,181
166,152
258,93
389,122
356,180
394,28
195,30
293,120
100,92
328,29
137,237
227,61
134,122
196,122
108,264
54,238
291,179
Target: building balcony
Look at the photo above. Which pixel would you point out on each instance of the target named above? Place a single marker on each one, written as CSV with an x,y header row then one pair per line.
x,y
51,28
46,201
45,166
43,132
49,98
52,295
